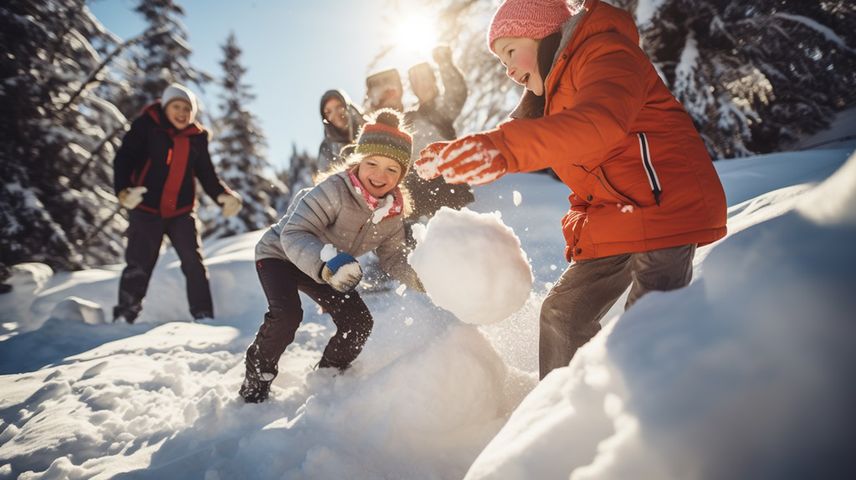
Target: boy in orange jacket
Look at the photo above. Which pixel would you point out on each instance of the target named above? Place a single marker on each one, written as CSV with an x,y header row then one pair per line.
x,y
644,192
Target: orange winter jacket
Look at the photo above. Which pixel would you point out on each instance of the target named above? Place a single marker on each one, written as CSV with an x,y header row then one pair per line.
x,y
640,175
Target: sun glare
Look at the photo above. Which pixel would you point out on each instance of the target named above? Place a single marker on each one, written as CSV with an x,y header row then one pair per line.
x,y
416,35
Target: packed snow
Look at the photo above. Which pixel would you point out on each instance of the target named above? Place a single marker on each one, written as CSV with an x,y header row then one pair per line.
x,y
745,373
471,264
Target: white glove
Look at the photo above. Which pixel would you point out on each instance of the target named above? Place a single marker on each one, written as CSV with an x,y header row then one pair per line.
x,y
231,203
342,272
131,197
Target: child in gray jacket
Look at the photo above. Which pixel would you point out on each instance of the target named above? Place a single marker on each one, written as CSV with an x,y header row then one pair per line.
x,y
313,249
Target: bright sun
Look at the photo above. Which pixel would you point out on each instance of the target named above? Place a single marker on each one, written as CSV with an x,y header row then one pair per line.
x,y
416,34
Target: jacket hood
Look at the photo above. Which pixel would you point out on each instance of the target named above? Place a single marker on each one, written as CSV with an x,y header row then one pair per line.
x,y
342,96
594,18
354,116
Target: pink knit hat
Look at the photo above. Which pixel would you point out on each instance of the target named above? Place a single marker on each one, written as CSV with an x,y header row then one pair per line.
x,y
527,18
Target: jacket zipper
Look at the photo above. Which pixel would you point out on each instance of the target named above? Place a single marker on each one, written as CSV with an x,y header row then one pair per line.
x,y
653,179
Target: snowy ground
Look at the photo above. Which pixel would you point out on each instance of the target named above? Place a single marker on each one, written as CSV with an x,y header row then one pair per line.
x,y
746,373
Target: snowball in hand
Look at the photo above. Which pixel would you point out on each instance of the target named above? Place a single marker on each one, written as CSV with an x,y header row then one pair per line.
x,y
472,265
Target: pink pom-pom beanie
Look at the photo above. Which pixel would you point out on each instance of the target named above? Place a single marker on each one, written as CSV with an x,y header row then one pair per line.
x,y
527,18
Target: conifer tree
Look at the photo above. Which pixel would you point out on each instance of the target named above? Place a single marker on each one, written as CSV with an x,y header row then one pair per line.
x,y
239,151
755,76
162,57
302,168
54,133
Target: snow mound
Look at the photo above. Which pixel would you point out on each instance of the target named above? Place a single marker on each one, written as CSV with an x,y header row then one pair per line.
x,y
736,376
472,265
27,280
76,309
429,411
834,201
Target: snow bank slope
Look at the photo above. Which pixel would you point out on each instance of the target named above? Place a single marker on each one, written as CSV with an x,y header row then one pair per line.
x,y
747,373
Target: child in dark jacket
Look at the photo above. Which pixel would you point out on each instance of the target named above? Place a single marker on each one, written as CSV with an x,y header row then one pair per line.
x,y
644,192
313,250
155,170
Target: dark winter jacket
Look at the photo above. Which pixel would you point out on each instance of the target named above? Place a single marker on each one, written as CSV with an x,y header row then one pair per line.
x,y
156,156
335,139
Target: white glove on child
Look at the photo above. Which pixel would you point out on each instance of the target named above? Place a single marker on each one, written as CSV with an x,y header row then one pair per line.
x,y
131,197
231,202
342,272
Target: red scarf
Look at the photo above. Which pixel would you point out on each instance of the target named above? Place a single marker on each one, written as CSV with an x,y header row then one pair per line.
x,y
176,161
373,203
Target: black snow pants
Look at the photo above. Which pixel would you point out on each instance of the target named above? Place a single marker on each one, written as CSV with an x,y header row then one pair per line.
x,y
145,235
281,280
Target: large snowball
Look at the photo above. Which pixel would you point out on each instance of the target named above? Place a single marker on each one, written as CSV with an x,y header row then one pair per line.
x,y
472,265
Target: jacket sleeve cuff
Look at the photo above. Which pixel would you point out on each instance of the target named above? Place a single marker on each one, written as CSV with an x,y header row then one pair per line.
x,y
498,139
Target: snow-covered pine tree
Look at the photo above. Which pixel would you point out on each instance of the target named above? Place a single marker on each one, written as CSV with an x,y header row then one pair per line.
x,y
755,76
56,204
162,57
239,153
302,168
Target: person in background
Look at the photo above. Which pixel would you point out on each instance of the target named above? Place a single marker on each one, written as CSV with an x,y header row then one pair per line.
x,y
359,207
433,120
384,90
155,172
644,193
342,120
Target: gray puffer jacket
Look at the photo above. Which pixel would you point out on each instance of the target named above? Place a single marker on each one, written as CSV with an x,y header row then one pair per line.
x,y
333,212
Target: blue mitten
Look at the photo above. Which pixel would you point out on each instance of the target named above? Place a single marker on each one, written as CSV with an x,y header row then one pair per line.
x,y
342,272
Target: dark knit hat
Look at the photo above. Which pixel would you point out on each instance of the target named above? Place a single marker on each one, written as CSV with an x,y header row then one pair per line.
x,y
383,135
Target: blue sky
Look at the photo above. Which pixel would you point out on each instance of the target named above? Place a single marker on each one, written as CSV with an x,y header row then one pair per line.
x,y
293,51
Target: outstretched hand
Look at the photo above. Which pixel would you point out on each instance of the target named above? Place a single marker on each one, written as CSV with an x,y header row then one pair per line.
x,y
472,159
442,54
426,164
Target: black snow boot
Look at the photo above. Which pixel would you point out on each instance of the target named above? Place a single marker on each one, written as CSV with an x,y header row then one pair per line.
x,y
325,363
203,316
254,389
127,314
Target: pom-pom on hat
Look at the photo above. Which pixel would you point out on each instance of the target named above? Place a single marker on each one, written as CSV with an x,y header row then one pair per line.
x,y
383,136
528,19
177,91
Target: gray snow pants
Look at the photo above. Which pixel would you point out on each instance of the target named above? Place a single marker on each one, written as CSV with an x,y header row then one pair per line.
x,y
571,313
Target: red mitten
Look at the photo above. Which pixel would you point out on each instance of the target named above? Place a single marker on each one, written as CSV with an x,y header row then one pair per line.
x,y
426,164
472,159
